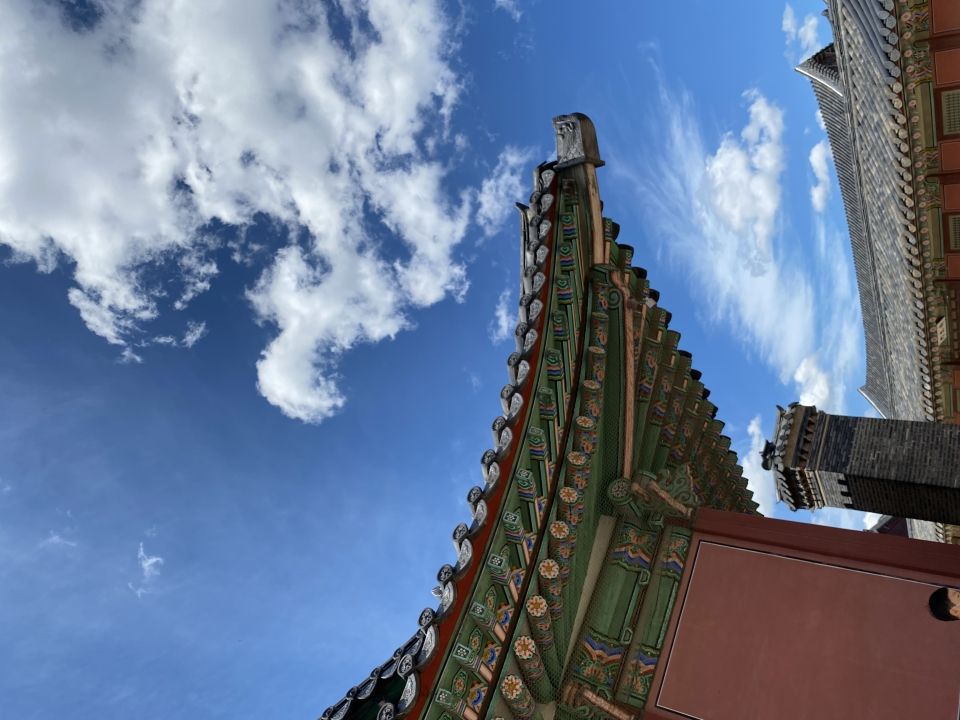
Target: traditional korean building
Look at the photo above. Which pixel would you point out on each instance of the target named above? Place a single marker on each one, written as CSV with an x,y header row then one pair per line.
x,y
902,468
615,566
889,93
606,443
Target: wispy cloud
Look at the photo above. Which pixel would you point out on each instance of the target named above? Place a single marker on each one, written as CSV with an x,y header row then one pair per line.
x,y
789,23
55,539
149,570
820,164
719,213
195,331
809,36
129,357
510,7
803,36
191,336
501,189
501,326
187,119
701,202
839,518
149,564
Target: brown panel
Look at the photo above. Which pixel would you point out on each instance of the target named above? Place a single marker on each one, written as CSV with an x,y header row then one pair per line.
x,y
946,67
953,266
946,15
819,542
951,197
950,155
933,564
761,635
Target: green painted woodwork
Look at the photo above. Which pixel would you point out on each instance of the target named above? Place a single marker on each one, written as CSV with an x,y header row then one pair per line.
x,y
600,329
617,648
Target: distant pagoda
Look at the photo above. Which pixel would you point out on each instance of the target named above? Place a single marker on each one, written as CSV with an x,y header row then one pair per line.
x,y
888,88
899,468
606,444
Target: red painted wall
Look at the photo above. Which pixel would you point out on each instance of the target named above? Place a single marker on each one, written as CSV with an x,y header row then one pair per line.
x,y
946,67
790,621
951,197
950,154
953,266
946,15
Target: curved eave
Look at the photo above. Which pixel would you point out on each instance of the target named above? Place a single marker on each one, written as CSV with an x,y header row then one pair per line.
x,y
883,50
423,668
430,673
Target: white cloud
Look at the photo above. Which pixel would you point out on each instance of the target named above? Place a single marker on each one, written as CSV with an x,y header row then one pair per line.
x,y
789,23
719,214
55,539
320,314
129,357
510,7
759,481
197,272
166,117
501,326
717,211
808,36
149,570
743,176
813,382
475,381
806,33
195,331
840,518
501,189
149,564
820,164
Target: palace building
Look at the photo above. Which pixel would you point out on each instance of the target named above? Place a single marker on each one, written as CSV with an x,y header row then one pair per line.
x,y
888,88
615,565
901,468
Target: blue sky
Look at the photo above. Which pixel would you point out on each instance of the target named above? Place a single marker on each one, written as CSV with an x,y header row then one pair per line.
x,y
259,267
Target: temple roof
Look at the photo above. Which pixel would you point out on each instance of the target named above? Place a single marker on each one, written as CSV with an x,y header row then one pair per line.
x,y
821,67
601,410
859,85
874,85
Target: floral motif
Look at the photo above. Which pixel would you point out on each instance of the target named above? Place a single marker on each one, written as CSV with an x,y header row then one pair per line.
x,y
524,647
537,606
